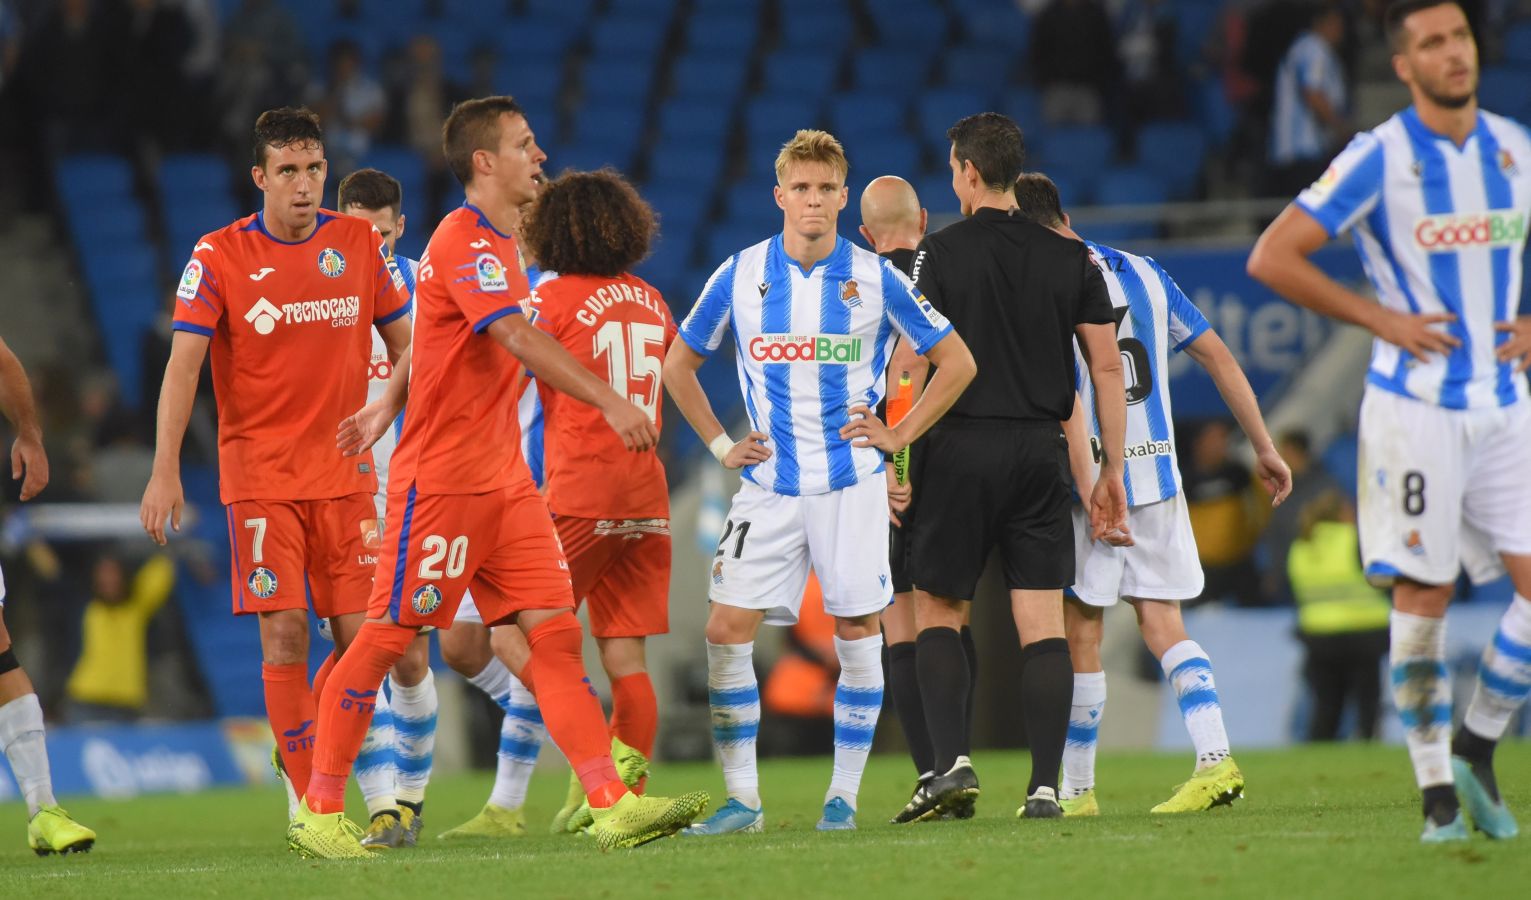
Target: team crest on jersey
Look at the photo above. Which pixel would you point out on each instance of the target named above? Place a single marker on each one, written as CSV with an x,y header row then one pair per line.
x,y
426,600
262,582
372,533
1415,544
491,273
191,280
331,263
850,295
717,572
1507,163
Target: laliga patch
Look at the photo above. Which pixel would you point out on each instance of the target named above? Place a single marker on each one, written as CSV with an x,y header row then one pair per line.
x,y
331,263
191,280
262,582
931,316
491,273
372,533
426,600
394,273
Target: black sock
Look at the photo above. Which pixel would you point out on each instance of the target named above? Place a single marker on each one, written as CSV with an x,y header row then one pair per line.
x,y
415,808
1479,753
1047,692
971,651
904,684
388,812
1440,803
944,687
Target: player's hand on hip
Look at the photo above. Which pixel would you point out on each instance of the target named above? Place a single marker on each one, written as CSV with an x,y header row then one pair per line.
x,y
899,496
866,430
1108,511
1275,474
1517,349
748,452
30,460
363,428
1417,333
632,425
162,498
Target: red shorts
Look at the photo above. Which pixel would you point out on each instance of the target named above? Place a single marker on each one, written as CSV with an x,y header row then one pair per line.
x,y
288,553
501,544
621,568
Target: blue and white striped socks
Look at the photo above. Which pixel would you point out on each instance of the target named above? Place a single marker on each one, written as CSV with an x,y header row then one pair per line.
x,y
375,772
1084,730
1422,694
1190,674
521,737
735,700
858,702
414,726
1504,676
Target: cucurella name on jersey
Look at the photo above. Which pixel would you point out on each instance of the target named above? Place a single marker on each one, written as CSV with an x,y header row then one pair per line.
x,y
810,345
1153,317
1440,229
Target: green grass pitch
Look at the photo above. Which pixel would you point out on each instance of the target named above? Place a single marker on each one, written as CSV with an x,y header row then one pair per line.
x,y
1327,821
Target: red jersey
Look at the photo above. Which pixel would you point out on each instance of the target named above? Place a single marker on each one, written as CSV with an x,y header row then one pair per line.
x,y
618,328
289,325
461,435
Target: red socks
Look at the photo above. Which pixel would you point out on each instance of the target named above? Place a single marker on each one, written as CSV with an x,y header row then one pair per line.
x,y
345,710
570,708
322,676
290,709
635,715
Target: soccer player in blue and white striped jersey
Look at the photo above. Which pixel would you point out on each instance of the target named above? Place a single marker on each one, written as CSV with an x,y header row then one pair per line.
x,y
814,319
1438,198
1160,567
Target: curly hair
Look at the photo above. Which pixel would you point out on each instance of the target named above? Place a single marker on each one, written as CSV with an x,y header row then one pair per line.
x,y
284,127
589,223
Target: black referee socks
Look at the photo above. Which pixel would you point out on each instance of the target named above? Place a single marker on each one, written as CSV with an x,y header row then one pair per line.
x,y
1047,691
971,651
904,684
944,689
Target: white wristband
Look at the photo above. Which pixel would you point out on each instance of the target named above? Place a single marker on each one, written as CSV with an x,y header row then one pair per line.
x,y
720,446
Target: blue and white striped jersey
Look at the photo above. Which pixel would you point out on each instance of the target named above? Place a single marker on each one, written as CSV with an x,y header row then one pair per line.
x,y
1296,133
1153,317
1440,228
379,371
529,405
810,345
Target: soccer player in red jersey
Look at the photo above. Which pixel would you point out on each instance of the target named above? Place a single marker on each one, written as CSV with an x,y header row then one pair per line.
x,y
463,509
284,299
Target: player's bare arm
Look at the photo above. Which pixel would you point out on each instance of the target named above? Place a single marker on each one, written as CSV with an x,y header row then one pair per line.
x,y
396,336
1212,354
27,455
955,370
1280,261
1108,499
360,430
562,372
680,381
1081,456
163,497
1517,349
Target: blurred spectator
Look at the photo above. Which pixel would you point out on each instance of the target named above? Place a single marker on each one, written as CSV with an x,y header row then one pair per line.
x,y
155,43
422,99
110,682
10,42
270,26
1153,79
1074,61
798,698
1225,515
199,69
69,69
1342,620
1310,102
1309,480
351,105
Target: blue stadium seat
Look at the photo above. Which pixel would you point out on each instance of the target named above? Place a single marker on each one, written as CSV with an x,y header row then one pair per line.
x,y
729,237
683,117
1517,45
188,218
729,5
1122,234
1076,149
680,204
801,71
625,80
911,24
1340,460
129,261
1504,90
1194,22
685,160
1024,105
403,163
1131,185
709,75
1073,190
659,9
475,13
864,111
615,123
1174,151
936,195
889,69
107,224
826,29
91,175
997,24
590,155
719,32
872,155
743,201
777,118
977,66
573,10
193,174
528,79
541,38
939,109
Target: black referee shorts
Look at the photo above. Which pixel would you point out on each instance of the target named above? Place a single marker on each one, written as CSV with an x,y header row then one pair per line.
x,y
981,484
898,536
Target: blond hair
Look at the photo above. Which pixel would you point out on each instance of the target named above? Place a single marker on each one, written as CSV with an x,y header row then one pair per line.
x,y
812,146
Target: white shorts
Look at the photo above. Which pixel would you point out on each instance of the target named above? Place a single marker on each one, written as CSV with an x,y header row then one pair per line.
x,y
770,541
1441,490
2,589
1162,563
467,610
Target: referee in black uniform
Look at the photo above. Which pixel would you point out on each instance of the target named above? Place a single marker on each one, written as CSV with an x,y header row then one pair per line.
x,y
995,470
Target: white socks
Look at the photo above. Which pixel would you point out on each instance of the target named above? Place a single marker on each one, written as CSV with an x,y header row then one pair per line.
x,y
1422,694
375,772
1504,677
1190,674
21,737
414,727
1084,729
858,701
522,735
735,700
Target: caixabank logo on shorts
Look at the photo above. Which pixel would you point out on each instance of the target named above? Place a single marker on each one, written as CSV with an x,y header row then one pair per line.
x,y
426,599
809,348
262,582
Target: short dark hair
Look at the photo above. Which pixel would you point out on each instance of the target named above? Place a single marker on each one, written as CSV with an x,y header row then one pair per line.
x,y
589,223
284,127
370,189
1298,439
1399,10
1037,198
474,125
993,144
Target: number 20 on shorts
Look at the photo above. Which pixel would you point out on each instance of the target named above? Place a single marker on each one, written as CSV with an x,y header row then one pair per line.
x,y
437,549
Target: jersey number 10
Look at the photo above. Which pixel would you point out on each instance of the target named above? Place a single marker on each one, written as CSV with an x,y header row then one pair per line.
x,y
632,361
